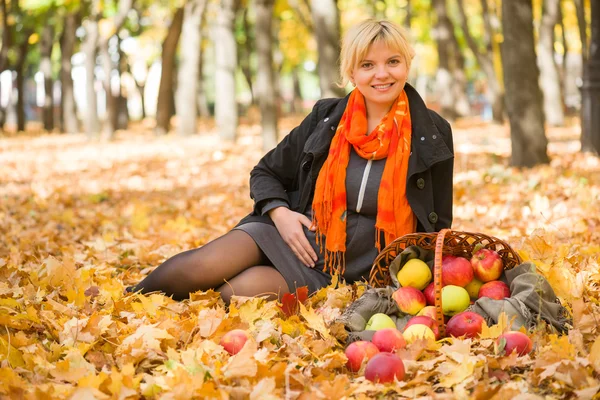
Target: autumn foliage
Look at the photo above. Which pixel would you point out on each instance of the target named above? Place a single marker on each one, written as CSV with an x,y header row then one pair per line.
x,y
81,220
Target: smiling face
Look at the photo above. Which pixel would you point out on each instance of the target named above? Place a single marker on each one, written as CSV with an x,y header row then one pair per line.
x,y
380,77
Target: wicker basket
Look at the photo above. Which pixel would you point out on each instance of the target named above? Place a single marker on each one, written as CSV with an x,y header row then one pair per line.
x,y
444,242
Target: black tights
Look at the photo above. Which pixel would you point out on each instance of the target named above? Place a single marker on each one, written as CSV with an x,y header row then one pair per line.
x,y
232,264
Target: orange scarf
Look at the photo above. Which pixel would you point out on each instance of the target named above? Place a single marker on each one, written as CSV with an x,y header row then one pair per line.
x,y
391,139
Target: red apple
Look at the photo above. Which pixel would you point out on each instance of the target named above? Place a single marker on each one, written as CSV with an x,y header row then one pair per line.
x,y
466,323
514,341
384,367
409,299
495,290
487,265
358,351
388,340
456,271
234,340
427,321
429,293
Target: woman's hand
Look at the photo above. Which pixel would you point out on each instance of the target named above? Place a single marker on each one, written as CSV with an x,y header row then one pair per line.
x,y
289,224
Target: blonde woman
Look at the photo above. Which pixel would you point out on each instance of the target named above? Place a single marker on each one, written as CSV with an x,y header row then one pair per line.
x,y
358,172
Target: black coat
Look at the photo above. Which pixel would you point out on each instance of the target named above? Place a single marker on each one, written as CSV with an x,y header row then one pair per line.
x,y
289,171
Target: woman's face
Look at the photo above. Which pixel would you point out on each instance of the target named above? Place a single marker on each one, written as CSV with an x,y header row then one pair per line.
x,y
381,76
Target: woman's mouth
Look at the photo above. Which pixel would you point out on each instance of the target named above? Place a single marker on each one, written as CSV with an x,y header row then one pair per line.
x,y
382,88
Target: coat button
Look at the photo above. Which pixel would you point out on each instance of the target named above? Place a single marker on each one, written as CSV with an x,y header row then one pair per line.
x,y
307,164
433,217
326,119
420,183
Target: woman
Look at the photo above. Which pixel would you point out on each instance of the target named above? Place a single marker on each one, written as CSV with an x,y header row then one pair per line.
x,y
357,173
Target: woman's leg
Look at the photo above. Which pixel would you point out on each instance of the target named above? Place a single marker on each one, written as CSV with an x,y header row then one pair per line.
x,y
206,267
254,281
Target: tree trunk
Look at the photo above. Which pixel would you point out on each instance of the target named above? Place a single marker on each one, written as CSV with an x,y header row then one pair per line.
x,y
69,122
245,50
46,45
165,104
121,115
450,80
111,100
20,70
408,16
226,114
326,22
590,90
523,94
582,24
296,106
89,48
549,78
265,79
187,90
203,109
486,63
6,43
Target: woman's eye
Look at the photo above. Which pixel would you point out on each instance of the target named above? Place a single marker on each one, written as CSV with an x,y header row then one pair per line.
x,y
366,65
394,62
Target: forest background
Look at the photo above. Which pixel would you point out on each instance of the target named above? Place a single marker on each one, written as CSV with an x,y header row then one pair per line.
x,y
128,129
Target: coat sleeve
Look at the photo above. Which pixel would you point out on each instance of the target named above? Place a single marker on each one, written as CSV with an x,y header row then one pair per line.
x,y
442,176
275,173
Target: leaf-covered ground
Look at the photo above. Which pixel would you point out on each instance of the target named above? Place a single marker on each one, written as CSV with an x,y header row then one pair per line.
x,y
81,220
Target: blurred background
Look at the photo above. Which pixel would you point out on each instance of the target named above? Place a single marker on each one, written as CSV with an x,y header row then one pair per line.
x,y
105,68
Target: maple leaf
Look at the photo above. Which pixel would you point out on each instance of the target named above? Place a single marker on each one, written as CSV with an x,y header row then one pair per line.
x,y
290,301
492,332
314,321
265,389
243,363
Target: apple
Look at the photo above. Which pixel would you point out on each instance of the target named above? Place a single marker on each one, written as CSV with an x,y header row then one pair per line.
x,y
418,332
234,340
415,273
456,271
514,341
384,367
427,321
495,290
455,299
428,311
388,340
473,288
466,323
429,293
487,265
410,300
380,321
358,351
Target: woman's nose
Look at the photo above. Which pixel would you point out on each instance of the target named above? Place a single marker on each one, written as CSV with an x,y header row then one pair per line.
x,y
381,72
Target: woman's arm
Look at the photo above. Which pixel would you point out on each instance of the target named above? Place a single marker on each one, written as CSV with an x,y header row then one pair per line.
x,y
274,174
442,175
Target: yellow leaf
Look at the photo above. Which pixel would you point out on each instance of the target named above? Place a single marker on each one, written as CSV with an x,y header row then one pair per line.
x,y
314,321
494,331
10,353
209,320
595,354
243,363
454,373
292,326
265,389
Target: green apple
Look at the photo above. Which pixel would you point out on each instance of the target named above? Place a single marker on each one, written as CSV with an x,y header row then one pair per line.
x,y
414,273
455,299
380,321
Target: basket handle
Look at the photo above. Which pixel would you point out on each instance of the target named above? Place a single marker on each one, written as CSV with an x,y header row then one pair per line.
x,y
437,281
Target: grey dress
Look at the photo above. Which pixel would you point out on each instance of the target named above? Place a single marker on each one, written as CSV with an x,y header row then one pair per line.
x,y
360,234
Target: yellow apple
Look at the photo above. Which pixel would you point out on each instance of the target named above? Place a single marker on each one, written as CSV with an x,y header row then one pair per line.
x,y
380,321
414,273
418,332
455,299
473,288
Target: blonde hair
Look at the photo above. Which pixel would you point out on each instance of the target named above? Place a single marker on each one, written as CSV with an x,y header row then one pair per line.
x,y
360,37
